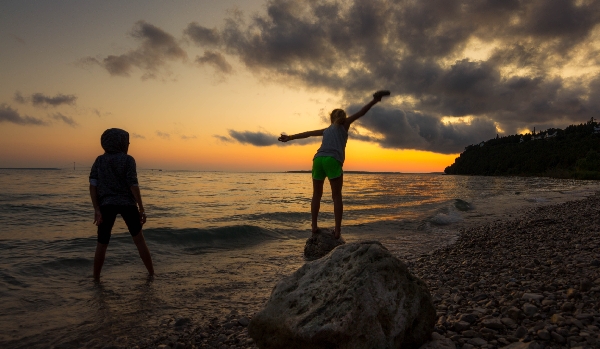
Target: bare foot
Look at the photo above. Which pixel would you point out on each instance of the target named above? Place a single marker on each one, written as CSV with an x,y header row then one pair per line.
x,y
315,230
337,234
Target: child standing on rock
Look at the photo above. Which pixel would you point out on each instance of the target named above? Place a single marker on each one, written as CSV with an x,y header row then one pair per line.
x,y
114,190
329,159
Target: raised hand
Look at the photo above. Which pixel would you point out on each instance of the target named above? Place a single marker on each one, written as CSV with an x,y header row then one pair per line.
x,y
379,94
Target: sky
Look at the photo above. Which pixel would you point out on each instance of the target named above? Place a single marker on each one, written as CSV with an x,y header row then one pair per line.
x,y
209,85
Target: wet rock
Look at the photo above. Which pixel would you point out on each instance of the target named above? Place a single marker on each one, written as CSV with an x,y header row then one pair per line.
x,y
243,321
493,323
320,244
521,332
358,296
532,297
470,318
529,309
460,326
543,334
478,342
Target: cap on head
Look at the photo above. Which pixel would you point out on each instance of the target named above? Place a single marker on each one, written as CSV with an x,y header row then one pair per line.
x,y
115,140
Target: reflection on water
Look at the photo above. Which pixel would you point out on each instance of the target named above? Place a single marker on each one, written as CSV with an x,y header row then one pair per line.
x,y
219,241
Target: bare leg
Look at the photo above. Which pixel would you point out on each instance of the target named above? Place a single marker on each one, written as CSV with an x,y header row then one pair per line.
x,y
315,204
99,259
338,205
140,242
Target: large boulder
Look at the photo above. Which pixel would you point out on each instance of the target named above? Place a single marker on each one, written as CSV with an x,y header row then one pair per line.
x,y
358,296
321,243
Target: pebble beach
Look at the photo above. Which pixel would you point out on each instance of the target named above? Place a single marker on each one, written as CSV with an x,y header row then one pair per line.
x,y
533,278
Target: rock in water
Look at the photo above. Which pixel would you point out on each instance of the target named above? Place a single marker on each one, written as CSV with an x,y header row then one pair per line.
x,y
358,296
320,244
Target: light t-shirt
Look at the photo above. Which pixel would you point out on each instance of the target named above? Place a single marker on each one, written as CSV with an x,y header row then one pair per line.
x,y
334,142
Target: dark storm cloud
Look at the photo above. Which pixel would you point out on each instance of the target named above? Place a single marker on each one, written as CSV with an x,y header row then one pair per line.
x,y
66,119
216,60
410,130
259,139
156,48
8,114
262,139
419,50
41,100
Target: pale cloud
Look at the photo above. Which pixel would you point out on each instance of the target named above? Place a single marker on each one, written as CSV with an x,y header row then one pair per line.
x,y
10,115
42,100
163,135
155,50
66,119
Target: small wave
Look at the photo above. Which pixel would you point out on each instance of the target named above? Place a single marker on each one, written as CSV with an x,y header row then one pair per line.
x,y
536,200
446,218
64,263
463,205
196,240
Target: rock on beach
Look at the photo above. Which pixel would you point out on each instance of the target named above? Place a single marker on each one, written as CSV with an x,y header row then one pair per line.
x,y
358,296
321,243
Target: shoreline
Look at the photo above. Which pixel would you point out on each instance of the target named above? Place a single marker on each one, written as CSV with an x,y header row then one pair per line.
x,y
533,278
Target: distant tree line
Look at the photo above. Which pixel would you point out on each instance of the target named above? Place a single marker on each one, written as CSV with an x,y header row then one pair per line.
x,y
570,153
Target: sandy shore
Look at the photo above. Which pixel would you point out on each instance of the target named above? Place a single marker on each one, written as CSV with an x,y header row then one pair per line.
x,y
533,278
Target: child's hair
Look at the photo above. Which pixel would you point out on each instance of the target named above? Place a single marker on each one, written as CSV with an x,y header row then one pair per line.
x,y
338,116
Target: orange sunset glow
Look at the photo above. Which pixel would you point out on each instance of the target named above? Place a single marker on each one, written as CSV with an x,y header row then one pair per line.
x,y
210,85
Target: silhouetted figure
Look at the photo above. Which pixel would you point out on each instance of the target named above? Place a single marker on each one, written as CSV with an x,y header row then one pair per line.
x,y
329,159
114,190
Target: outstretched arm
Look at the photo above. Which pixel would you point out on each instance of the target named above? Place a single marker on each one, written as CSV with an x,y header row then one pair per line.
x,y
376,99
285,138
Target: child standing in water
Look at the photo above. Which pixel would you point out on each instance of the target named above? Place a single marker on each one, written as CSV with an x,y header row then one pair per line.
x,y
114,190
329,159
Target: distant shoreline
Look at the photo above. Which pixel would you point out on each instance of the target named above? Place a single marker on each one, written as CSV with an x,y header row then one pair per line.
x,y
31,168
368,172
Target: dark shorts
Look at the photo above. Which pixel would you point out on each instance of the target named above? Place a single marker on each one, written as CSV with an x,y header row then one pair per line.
x,y
109,214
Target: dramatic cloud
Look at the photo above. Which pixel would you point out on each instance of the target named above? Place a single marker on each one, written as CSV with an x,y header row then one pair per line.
x,y
261,139
7,114
41,100
156,48
66,119
163,135
506,65
400,129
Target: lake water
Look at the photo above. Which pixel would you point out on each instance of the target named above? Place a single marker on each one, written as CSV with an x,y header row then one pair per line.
x,y
219,240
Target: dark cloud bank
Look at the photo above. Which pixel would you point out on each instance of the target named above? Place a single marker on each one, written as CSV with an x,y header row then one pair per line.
x,y
417,50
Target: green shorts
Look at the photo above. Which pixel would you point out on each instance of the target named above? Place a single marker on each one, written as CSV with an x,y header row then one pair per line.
x,y
326,166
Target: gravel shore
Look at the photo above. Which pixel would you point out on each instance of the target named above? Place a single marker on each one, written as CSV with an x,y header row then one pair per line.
x,y
534,278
